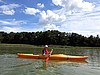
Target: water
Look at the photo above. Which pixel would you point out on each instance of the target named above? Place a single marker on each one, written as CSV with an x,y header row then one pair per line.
x,y
10,64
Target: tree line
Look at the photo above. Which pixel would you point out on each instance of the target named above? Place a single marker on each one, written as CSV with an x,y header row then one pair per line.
x,y
52,37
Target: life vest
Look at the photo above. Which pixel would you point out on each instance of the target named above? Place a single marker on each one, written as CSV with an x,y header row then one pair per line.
x,y
45,51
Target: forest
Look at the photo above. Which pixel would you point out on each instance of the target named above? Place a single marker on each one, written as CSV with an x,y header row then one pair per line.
x,y
50,37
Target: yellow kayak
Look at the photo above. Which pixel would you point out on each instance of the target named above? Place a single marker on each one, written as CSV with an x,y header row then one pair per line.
x,y
53,57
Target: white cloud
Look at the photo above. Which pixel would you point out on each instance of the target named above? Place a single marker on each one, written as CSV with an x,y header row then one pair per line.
x,y
58,2
50,19
8,9
11,29
40,5
85,24
72,17
8,12
1,1
12,22
12,25
51,27
58,17
74,5
31,11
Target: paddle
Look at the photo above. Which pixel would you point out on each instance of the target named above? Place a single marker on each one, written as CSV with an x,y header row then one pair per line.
x,y
49,55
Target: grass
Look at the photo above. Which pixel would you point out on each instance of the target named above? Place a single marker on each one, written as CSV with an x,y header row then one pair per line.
x,y
25,48
17,48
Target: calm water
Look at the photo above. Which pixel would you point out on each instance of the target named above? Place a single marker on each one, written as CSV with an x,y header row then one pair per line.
x,y
10,64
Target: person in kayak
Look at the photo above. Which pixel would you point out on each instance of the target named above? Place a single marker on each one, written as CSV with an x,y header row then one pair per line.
x,y
45,50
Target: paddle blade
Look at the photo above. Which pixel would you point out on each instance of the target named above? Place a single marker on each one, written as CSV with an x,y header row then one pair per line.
x,y
47,59
49,56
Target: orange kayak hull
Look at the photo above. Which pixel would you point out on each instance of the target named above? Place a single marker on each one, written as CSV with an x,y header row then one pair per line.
x,y
53,57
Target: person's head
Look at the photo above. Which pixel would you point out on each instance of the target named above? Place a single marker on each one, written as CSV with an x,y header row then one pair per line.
x,y
46,46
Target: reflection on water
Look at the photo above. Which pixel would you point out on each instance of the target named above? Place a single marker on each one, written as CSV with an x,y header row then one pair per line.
x,y
10,64
94,57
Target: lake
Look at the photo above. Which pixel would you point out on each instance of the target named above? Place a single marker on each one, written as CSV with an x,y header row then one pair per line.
x,y
10,64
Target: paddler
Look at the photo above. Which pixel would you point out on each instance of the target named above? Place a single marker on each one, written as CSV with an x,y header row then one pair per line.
x,y
45,50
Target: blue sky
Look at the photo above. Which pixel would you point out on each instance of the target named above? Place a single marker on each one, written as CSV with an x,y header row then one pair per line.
x,y
79,16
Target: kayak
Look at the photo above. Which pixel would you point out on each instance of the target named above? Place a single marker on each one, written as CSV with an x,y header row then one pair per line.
x,y
53,57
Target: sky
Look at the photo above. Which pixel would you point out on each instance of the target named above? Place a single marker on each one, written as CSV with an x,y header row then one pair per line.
x,y
78,16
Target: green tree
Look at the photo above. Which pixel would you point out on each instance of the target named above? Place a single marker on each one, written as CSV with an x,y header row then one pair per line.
x,y
1,37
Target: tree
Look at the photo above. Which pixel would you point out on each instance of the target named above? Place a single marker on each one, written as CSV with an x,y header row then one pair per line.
x,y
1,37
50,37
91,41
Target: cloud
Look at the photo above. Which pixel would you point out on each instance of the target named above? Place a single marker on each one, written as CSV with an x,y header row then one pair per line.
x,y
51,27
8,9
58,18
40,5
50,18
85,24
12,25
73,16
74,5
12,22
1,0
31,11
8,12
11,29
